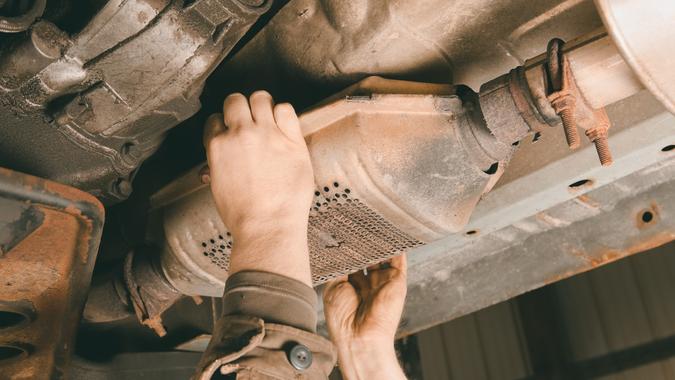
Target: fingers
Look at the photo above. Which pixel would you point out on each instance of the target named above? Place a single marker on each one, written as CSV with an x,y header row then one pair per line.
x,y
332,286
287,121
339,297
214,126
360,281
262,106
401,263
236,111
395,269
394,280
340,305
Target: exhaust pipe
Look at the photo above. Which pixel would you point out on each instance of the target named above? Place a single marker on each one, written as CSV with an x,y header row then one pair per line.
x,y
397,164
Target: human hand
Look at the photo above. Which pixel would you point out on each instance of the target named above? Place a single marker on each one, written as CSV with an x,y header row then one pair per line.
x,y
261,179
362,313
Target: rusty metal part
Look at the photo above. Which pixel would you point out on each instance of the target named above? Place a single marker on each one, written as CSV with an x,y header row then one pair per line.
x,y
490,272
598,135
532,229
562,91
567,101
44,276
137,288
545,92
506,110
108,299
396,164
150,294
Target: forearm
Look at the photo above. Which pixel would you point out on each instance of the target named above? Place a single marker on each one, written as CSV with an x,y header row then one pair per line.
x,y
369,361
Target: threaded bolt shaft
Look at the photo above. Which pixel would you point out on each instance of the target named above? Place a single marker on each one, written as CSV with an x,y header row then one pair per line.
x,y
602,147
569,125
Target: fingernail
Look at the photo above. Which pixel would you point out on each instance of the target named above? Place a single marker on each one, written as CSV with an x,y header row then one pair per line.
x,y
205,175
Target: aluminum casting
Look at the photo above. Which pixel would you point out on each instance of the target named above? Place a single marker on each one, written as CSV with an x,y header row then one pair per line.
x,y
88,109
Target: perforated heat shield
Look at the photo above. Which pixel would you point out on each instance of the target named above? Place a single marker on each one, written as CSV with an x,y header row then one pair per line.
x,y
392,172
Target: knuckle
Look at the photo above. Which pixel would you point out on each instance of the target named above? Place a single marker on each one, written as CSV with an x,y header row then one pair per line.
x,y
284,107
215,142
234,101
235,95
334,292
248,134
260,93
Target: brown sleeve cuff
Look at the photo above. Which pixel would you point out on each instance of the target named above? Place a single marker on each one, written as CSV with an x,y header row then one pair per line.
x,y
271,297
254,349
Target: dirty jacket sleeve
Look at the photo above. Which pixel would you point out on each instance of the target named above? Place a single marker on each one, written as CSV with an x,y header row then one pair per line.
x,y
267,328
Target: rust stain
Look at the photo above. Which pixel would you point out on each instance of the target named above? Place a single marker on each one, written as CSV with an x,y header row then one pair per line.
x,y
648,216
602,256
49,270
31,183
588,201
40,269
34,265
74,195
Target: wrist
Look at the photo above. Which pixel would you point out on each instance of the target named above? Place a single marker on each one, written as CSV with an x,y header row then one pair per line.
x,y
368,359
270,233
279,248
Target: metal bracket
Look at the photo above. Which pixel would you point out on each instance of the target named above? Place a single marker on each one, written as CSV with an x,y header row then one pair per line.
x,y
45,273
569,104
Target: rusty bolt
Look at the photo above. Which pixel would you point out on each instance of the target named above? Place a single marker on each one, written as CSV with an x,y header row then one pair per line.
x,y
561,97
598,136
564,105
571,133
602,147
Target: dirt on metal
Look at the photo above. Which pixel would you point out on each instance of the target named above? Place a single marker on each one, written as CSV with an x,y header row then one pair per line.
x,y
45,276
602,256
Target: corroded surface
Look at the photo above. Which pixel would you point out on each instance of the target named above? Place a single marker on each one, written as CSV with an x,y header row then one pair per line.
x,y
44,278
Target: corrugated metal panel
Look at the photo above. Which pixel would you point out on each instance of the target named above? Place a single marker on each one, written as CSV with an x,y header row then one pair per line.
x,y
627,304
484,345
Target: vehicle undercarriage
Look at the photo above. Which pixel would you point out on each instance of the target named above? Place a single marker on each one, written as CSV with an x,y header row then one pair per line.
x,y
505,144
